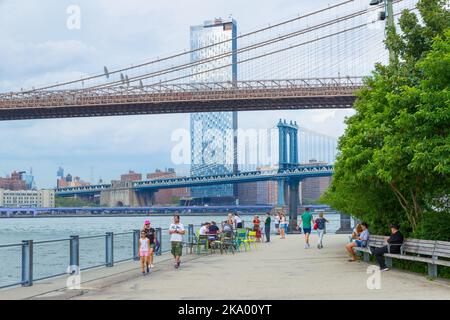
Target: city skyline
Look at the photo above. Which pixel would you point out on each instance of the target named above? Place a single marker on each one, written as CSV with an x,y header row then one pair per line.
x,y
114,145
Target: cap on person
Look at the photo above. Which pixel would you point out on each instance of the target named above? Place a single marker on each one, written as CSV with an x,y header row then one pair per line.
x,y
147,222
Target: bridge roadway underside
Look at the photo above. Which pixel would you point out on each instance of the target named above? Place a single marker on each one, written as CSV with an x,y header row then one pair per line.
x,y
253,104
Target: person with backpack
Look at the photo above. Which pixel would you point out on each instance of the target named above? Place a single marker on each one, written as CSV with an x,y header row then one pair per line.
x,y
319,225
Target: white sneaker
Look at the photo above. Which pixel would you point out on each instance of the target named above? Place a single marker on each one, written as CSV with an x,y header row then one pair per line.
x,y
385,269
151,266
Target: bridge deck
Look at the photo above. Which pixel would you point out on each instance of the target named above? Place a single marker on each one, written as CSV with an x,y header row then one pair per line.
x,y
282,269
323,93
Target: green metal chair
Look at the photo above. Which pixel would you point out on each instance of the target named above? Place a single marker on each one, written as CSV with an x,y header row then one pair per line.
x,y
241,236
202,243
228,243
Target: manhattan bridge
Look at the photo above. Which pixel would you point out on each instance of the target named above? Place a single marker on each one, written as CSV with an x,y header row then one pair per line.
x,y
316,60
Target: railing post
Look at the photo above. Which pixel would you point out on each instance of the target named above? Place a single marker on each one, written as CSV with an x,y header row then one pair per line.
x,y
136,236
27,263
74,252
191,236
109,247
158,238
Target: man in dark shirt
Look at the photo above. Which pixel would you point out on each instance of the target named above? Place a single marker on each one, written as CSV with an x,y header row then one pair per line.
x,y
213,229
267,226
394,242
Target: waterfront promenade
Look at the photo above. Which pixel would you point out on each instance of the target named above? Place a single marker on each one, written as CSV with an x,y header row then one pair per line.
x,y
282,269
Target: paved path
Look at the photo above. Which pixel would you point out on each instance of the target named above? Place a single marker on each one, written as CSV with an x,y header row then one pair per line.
x,y
282,269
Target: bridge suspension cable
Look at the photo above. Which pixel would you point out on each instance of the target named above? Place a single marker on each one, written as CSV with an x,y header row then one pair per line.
x,y
187,52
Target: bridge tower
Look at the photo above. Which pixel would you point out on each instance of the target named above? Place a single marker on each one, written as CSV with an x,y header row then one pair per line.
x,y
288,158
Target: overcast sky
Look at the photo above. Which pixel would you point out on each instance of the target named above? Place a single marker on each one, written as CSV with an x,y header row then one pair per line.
x,y
36,48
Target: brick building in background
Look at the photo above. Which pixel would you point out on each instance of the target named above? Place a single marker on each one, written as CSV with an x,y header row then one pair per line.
x,y
261,192
13,182
131,176
313,188
167,196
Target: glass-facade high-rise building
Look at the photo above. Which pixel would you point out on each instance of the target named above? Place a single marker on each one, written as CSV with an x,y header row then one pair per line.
x,y
213,134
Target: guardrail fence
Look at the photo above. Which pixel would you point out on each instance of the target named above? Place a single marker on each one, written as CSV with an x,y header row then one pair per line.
x,y
29,261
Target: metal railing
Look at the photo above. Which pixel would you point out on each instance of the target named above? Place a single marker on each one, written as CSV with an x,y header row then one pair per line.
x,y
29,261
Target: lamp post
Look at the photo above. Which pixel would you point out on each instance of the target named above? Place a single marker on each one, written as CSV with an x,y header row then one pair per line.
x,y
389,14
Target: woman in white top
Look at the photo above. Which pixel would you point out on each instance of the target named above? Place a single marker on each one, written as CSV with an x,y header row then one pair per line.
x,y
144,252
277,223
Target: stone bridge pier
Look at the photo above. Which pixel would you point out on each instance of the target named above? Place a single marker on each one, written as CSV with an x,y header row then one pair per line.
x,y
121,194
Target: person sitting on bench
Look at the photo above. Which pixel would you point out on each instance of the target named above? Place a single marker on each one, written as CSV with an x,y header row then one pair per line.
x,y
394,242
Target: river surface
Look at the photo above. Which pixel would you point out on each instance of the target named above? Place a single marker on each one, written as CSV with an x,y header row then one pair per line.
x,y
52,258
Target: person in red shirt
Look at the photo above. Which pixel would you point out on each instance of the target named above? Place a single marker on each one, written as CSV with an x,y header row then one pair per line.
x,y
256,223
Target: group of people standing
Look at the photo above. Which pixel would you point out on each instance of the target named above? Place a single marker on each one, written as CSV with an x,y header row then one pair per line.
x,y
305,222
148,242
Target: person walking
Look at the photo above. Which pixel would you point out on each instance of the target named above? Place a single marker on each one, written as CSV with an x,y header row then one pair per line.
x,y
144,245
267,223
150,233
306,220
283,224
394,242
320,224
176,231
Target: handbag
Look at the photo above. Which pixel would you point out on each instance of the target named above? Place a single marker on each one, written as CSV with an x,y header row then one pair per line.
x,y
315,225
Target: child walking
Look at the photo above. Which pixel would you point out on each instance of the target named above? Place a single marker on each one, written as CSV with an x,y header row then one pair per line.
x,y
144,253
320,224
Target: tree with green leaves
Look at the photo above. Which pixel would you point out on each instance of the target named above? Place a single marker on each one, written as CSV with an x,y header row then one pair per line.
x,y
394,157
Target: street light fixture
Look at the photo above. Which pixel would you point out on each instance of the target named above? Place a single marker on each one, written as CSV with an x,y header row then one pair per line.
x,y
388,15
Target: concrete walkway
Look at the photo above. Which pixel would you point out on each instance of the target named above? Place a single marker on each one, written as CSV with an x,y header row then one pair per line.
x,y
282,269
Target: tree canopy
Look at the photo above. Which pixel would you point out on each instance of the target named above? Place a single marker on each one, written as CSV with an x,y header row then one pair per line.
x,y
394,157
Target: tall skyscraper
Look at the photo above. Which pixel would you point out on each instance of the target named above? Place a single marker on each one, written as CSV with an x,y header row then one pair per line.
x,y
213,135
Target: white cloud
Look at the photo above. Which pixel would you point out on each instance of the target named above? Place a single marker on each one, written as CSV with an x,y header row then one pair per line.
x,y
36,49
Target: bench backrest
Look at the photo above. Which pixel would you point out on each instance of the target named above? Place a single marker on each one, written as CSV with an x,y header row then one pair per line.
x,y
376,241
419,246
436,249
442,249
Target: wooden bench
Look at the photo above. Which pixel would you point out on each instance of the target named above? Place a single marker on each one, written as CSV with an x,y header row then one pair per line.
x,y
432,252
374,241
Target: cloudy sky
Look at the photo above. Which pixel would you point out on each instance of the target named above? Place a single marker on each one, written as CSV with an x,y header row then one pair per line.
x,y
37,48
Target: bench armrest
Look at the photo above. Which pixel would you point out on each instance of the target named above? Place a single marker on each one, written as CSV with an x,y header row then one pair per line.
x,y
395,244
